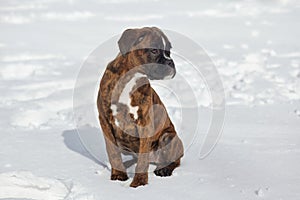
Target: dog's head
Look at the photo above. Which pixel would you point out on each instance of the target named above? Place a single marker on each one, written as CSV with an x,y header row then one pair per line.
x,y
149,49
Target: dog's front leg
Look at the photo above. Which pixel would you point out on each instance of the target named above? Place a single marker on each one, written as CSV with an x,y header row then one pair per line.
x,y
118,171
141,170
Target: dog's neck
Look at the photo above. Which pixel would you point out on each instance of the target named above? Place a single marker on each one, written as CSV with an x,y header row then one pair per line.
x,y
124,64
128,81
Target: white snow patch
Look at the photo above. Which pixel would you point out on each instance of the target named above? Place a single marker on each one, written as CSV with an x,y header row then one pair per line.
x,y
290,55
123,1
15,19
228,46
255,33
27,185
77,192
7,165
210,13
269,42
267,23
42,114
248,23
32,119
261,192
22,184
18,71
68,16
272,66
63,16
132,18
295,63
253,62
270,52
297,112
237,9
25,7
29,57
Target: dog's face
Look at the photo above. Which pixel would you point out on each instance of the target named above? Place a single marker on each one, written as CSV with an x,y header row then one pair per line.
x,y
149,50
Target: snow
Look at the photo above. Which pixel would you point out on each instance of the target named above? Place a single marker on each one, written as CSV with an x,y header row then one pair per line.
x,y
259,192
21,184
255,46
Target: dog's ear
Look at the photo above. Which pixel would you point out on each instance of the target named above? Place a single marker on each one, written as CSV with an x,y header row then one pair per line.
x,y
127,40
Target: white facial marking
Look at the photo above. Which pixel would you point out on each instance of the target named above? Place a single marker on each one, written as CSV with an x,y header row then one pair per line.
x,y
125,95
164,43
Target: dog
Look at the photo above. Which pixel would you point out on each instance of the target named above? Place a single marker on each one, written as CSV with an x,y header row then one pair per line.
x,y
133,118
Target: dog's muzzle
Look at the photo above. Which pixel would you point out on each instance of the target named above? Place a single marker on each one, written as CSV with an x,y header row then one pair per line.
x,y
170,70
156,71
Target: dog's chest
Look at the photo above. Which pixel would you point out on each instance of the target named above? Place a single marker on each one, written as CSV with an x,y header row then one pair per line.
x,y
125,95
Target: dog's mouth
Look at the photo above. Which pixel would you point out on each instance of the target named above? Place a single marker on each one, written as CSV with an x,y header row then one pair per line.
x,y
160,72
171,75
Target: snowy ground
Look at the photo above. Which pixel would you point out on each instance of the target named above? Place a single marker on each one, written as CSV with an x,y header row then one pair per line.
x,y
255,45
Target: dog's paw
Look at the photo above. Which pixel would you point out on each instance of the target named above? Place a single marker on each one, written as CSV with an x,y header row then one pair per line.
x,y
139,180
163,172
118,175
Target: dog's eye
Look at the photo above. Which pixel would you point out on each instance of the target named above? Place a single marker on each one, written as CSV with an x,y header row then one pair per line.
x,y
155,51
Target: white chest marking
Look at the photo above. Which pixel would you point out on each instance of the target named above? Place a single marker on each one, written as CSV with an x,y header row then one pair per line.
x,y
125,96
113,108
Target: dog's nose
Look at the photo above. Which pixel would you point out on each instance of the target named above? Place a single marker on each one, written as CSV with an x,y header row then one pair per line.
x,y
170,63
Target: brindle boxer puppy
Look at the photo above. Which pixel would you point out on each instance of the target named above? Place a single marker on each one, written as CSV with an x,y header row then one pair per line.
x,y
132,116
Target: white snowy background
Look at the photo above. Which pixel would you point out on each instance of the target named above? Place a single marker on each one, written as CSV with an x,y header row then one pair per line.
x,y
255,46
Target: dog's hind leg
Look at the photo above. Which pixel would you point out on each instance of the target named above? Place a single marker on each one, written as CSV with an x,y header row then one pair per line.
x,y
168,170
170,151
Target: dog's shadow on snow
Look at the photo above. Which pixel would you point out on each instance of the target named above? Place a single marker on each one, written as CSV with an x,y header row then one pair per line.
x,y
88,143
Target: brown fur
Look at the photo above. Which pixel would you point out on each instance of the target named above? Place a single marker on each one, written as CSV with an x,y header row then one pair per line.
x,y
151,138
